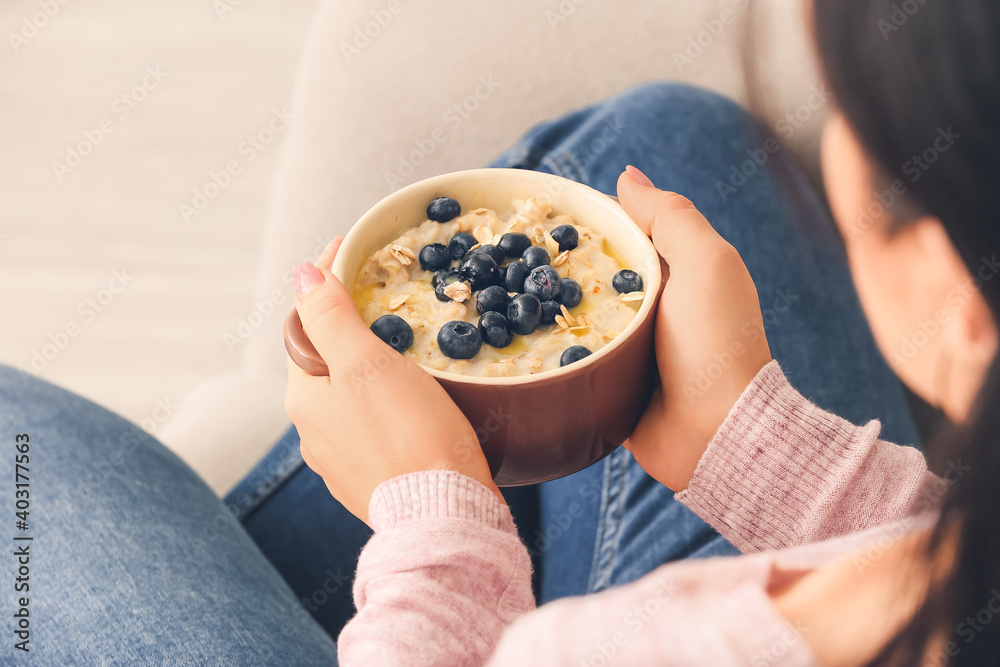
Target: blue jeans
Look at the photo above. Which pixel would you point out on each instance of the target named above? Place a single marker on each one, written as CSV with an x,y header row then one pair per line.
x,y
134,559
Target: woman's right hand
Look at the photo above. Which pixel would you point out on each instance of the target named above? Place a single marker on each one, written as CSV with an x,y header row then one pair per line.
x,y
377,415
710,340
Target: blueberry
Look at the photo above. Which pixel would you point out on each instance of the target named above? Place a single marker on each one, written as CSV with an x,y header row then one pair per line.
x,y
443,209
574,354
480,270
549,311
566,236
434,257
459,340
543,282
444,277
536,256
493,251
494,330
514,276
570,293
524,314
492,298
441,280
394,332
460,244
626,281
514,244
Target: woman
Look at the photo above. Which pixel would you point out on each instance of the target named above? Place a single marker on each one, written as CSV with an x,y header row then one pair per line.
x,y
164,576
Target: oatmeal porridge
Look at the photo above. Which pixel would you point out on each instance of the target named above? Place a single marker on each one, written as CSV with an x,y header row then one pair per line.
x,y
477,294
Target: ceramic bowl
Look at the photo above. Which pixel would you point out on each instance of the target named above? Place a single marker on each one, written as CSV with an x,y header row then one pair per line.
x,y
532,428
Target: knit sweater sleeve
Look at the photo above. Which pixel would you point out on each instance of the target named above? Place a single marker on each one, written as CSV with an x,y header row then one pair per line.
x,y
782,472
443,575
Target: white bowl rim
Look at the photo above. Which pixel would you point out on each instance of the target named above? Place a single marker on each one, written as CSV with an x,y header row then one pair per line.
x,y
441,182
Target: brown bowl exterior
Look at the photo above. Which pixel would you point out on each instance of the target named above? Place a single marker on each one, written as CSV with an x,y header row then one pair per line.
x,y
543,430
548,429
300,348
538,427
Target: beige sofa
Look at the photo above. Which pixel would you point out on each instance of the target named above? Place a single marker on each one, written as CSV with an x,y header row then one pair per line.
x,y
392,91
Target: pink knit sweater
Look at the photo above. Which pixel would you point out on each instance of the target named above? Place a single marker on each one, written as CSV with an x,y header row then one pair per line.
x,y
445,580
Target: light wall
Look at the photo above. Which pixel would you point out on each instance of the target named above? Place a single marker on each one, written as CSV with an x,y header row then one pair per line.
x,y
160,327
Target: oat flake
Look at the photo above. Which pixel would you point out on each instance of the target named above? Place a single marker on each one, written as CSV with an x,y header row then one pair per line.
x,y
566,316
483,234
551,245
403,254
458,291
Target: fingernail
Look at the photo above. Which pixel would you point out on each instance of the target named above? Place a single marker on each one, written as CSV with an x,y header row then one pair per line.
x,y
639,177
305,276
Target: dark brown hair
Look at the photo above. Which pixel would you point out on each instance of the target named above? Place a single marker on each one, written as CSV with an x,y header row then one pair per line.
x,y
904,72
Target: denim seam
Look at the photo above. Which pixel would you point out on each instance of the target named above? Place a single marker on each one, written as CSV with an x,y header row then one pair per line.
x,y
286,468
609,528
562,164
517,157
572,167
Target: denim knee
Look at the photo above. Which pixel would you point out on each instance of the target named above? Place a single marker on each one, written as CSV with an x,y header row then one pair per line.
x,y
701,112
90,449
15,380
40,403
680,135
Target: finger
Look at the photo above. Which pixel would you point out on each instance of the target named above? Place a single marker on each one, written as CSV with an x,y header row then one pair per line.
x,y
296,376
300,385
325,259
292,390
329,317
677,228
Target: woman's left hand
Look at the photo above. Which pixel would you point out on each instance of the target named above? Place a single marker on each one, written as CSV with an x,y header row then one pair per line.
x,y
377,415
